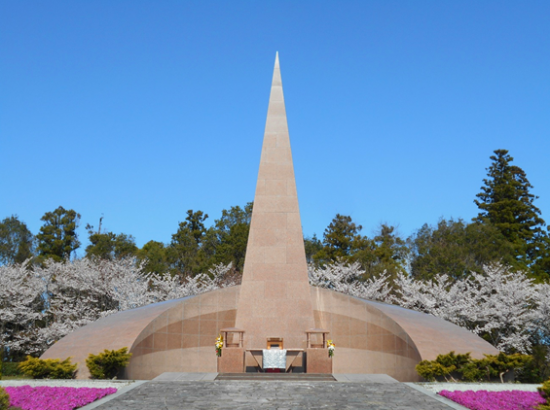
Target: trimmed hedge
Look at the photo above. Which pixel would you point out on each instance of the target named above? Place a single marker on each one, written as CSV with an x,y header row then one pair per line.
x,y
545,392
462,366
106,365
48,368
4,400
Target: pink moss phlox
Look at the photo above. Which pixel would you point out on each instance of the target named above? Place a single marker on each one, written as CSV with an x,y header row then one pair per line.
x,y
54,398
495,400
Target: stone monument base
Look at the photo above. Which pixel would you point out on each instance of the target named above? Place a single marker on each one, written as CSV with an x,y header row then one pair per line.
x,y
318,361
231,361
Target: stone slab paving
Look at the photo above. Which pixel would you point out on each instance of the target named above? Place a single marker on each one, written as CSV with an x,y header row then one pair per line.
x,y
275,395
365,378
110,397
186,377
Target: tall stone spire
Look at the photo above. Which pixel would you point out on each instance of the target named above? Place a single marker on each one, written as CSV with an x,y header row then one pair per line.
x,y
275,296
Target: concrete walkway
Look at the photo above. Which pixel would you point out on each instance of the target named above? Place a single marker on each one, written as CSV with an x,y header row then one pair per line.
x,y
198,391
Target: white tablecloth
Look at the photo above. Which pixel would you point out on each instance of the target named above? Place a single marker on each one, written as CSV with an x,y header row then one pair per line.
x,y
274,359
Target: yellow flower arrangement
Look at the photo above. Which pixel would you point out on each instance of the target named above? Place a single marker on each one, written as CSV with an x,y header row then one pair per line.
x,y
331,346
219,345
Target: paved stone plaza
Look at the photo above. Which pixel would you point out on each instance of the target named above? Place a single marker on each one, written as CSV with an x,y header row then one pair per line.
x,y
272,395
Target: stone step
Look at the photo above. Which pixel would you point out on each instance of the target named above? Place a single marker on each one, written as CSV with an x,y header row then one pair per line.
x,y
303,377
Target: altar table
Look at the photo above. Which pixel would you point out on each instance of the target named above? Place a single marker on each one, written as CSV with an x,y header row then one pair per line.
x,y
291,358
274,359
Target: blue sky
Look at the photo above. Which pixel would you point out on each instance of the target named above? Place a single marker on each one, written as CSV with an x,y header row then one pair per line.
x,y
140,110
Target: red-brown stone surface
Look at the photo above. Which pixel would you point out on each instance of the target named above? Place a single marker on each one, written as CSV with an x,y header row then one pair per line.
x,y
275,299
318,361
231,361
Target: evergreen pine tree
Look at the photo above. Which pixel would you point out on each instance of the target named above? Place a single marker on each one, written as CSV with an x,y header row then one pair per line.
x,y
338,240
505,201
187,242
16,241
58,238
386,252
457,249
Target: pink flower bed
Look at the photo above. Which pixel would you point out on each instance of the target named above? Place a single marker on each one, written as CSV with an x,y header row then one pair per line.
x,y
495,400
54,398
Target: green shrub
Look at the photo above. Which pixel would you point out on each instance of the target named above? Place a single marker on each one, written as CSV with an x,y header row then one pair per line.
x,y
537,370
545,392
4,399
11,369
471,372
468,369
35,368
499,365
48,368
431,369
106,365
443,366
452,359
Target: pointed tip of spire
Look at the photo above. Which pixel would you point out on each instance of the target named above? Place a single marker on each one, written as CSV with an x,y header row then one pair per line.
x,y
276,72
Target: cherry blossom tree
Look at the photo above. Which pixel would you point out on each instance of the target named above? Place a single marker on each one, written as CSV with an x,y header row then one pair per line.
x,y
507,309
41,304
542,323
504,307
346,278
21,304
498,304
441,297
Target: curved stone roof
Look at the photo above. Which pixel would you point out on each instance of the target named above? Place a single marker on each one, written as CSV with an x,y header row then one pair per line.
x,y
178,335
112,332
433,335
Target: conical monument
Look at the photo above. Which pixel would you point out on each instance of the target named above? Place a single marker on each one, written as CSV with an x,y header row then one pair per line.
x,y
274,302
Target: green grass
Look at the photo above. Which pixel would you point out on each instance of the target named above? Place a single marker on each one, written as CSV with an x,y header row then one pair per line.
x,y
20,377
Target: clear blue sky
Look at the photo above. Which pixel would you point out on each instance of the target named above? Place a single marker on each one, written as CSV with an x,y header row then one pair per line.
x,y
141,110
